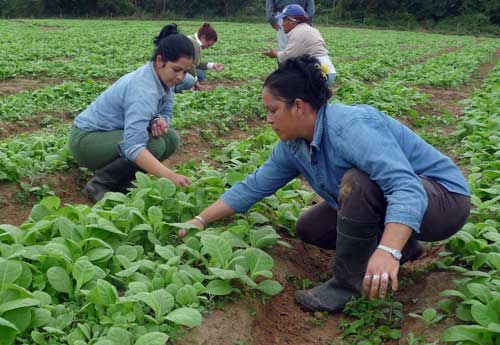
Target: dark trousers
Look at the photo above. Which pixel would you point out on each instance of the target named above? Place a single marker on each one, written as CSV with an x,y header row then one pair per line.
x,y
362,200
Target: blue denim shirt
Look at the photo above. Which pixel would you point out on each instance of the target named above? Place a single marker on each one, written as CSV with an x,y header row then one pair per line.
x,y
360,137
129,105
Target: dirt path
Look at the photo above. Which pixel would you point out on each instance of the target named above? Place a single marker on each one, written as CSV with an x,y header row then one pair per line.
x,y
13,86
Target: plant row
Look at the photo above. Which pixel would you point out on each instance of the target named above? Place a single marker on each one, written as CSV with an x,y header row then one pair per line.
x,y
476,301
450,70
117,273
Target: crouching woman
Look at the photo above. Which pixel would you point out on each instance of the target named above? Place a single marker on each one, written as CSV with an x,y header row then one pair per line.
x,y
384,187
128,127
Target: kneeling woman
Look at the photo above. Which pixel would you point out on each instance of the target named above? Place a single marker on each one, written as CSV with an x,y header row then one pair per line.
x,y
384,187
127,127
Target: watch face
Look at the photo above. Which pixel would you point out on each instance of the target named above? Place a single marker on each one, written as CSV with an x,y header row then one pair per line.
x,y
397,255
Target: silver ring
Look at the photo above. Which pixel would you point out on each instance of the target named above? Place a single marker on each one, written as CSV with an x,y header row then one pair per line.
x,y
385,276
376,277
367,276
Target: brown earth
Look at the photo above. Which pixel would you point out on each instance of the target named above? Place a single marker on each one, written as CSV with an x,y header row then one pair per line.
x,y
279,321
12,86
34,124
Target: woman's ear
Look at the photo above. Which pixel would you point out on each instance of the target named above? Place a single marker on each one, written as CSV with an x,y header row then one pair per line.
x,y
298,105
159,61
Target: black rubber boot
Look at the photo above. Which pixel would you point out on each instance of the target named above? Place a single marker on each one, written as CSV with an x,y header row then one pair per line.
x,y
356,241
114,177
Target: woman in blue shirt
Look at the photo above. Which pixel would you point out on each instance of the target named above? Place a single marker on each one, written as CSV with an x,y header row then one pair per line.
x,y
384,187
127,128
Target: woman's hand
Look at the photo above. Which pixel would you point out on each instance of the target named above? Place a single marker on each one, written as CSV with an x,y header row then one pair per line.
x,y
219,67
381,267
197,86
180,180
159,127
195,222
272,53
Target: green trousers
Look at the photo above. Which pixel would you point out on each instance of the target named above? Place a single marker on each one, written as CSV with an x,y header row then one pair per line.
x,y
94,150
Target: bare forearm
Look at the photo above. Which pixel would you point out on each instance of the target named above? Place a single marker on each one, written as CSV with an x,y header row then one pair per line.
x,y
218,210
150,164
396,235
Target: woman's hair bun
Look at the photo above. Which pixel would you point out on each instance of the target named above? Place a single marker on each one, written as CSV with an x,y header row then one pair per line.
x,y
169,29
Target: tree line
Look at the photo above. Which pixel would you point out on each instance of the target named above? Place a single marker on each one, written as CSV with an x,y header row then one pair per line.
x,y
486,10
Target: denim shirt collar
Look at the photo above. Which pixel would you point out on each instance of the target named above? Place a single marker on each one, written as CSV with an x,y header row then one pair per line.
x,y
296,144
164,90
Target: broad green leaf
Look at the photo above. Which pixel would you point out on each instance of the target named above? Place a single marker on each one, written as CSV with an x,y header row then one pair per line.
x,y
185,316
59,279
64,320
257,218
8,332
10,271
99,254
153,338
258,262
20,317
83,271
103,293
10,234
186,295
40,317
119,336
155,214
51,202
270,287
26,276
165,300
128,251
165,187
219,249
471,333
224,274
165,252
480,291
17,304
219,287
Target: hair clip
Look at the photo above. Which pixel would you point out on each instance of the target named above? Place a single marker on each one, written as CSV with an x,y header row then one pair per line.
x,y
324,69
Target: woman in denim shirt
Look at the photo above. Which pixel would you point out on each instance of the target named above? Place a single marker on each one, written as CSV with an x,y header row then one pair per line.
x,y
384,187
127,128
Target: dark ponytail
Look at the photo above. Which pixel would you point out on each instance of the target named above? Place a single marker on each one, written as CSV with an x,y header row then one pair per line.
x,y
299,77
171,45
207,31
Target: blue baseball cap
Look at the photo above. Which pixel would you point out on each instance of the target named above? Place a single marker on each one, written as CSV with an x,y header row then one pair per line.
x,y
292,11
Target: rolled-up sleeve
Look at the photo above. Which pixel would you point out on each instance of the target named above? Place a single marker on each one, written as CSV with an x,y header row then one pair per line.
x,y
167,109
139,105
369,145
277,171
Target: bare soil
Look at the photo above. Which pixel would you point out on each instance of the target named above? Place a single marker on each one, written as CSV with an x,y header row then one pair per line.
x,y
279,321
34,124
12,86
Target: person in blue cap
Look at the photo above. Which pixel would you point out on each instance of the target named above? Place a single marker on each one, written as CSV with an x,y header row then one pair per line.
x,y
384,187
302,39
274,7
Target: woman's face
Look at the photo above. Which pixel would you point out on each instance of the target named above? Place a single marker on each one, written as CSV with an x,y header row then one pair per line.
x,y
288,24
172,72
205,44
280,115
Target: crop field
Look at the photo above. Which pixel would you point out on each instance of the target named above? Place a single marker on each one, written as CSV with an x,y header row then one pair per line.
x,y
116,273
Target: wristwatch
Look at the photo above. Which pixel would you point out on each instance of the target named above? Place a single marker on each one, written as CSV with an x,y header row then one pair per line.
x,y
396,254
